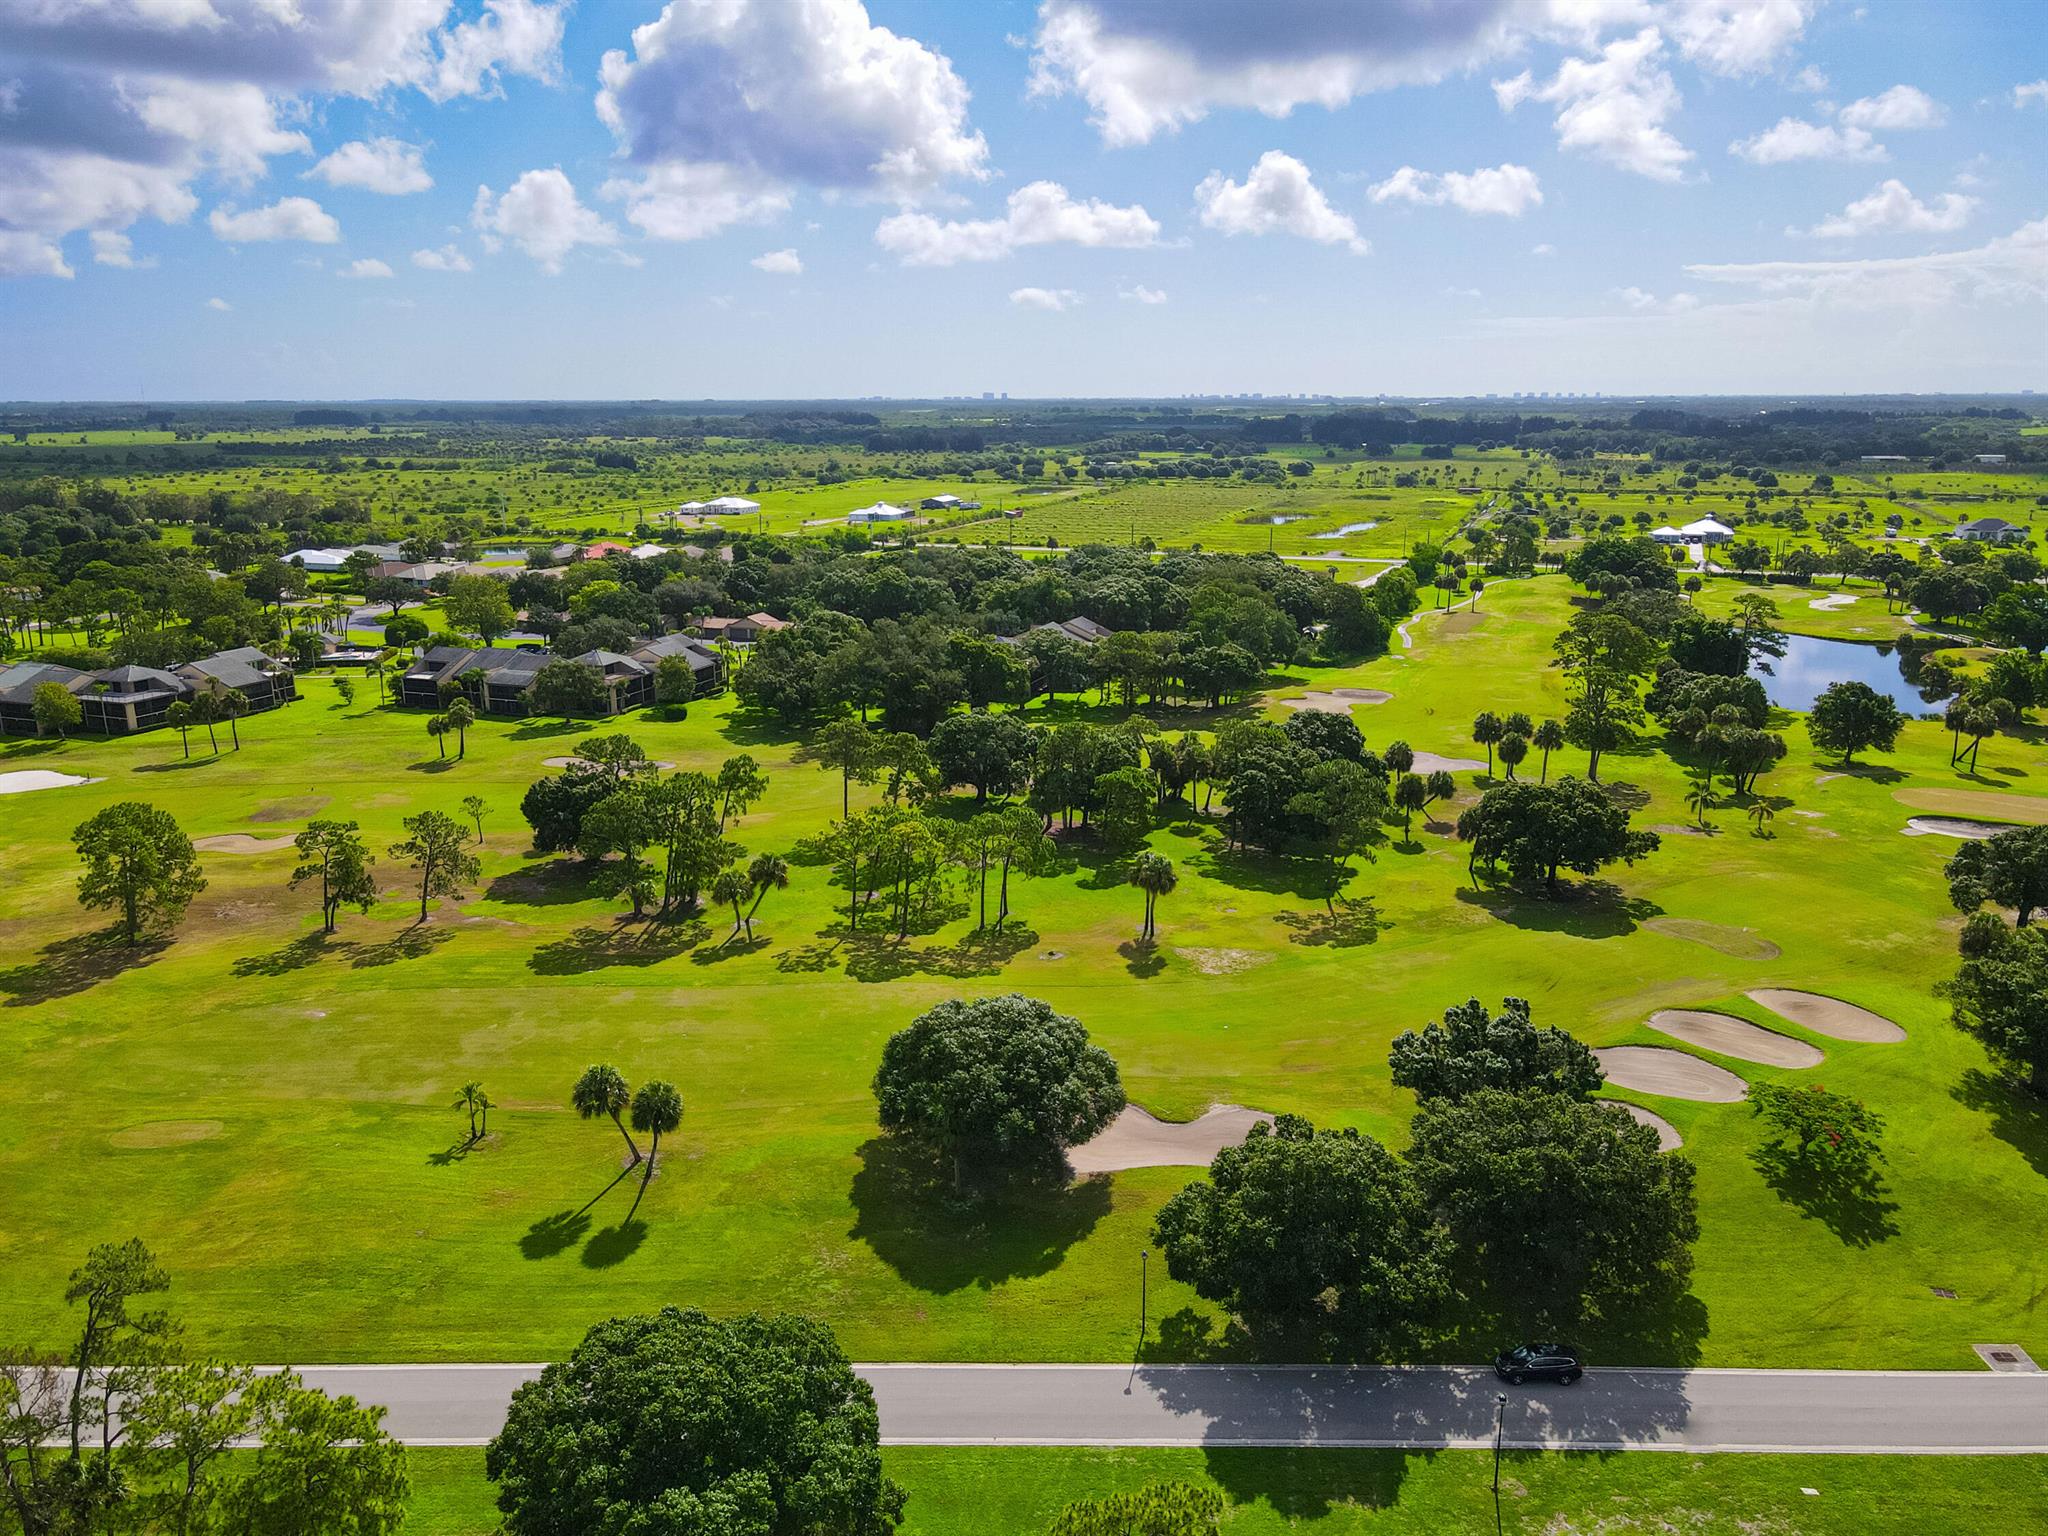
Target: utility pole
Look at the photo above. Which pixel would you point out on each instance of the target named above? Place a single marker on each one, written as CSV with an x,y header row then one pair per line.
x,y
1500,1414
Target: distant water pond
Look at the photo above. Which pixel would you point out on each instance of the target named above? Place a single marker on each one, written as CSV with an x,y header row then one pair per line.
x,y
1810,664
1346,531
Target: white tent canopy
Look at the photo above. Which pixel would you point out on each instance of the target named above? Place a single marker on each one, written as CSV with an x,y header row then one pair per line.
x,y
731,504
880,512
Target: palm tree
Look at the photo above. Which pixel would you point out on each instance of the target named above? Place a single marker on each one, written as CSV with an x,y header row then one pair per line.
x,y
234,704
1486,730
1442,785
471,1099
657,1110
602,1090
438,729
460,717
1152,873
768,872
1760,813
1411,794
729,890
1513,748
1549,736
1700,795
474,808
179,718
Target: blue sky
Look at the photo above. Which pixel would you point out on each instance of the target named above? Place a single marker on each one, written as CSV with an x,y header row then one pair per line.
x,y
809,198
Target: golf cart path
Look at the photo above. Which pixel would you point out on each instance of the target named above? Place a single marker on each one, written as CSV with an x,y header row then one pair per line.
x,y
1419,1407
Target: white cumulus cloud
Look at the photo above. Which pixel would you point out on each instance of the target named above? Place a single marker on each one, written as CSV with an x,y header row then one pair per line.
x,y
1039,214
367,266
2035,92
541,214
444,258
1901,107
1138,293
289,218
1509,190
1278,197
723,109
1737,37
1792,138
509,37
1611,106
110,248
221,305
1642,302
386,165
783,263
1044,298
2008,269
1893,208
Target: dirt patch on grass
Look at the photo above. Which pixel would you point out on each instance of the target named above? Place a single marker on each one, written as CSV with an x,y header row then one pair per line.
x,y
241,842
298,808
1671,1074
1829,1016
1668,1139
1137,1139
1728,1036
1222,962
1436,762
1740,943
1338,701
1977,804
1679,829
165,1133
1460,623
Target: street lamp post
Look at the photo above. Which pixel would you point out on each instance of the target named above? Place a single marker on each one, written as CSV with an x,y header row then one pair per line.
x,y
1144,1283
1500,1415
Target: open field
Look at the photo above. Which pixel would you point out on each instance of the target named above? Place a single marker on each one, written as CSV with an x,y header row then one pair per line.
x,y
1395,1493
271,1112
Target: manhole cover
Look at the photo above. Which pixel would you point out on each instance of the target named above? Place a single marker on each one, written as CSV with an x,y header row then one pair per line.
x,y
1943,1292
2009,1359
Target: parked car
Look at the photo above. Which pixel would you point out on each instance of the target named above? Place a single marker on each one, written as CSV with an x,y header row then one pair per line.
x,y
1538,1362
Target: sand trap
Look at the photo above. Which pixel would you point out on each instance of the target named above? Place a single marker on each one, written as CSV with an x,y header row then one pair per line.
x,y
241,842
1136,1139
1833,600
1726,1036
1829,1016
1436,762
1338,701
1977,804
1673,1074
22,780
1668,1139
577,762
1741,943
1955,826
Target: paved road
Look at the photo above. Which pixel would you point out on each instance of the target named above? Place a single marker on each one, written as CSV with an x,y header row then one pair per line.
x,y
1429,1407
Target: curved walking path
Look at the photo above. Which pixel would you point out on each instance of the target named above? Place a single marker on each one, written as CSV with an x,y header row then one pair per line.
x,y
1417,1407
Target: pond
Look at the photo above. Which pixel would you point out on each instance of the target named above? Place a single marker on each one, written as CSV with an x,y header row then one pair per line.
x,y
1346,531
1810,664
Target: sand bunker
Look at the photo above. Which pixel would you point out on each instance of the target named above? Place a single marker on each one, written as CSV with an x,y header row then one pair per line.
x,y
1726,1036
1954,826
1829,1016
1338,701
1833,600
1976,804
22,780
1740,943
1672,1074
577,762
241,842
1668,1139
1436,762
1136,1139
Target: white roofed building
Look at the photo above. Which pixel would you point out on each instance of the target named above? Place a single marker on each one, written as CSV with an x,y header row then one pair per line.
x,y
1707,531
880,512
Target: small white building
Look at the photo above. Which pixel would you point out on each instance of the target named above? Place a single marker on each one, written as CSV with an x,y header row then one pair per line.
x,y
647,551
942,503
728,505
1990,458
319,562
880,512
1706,531
1666,535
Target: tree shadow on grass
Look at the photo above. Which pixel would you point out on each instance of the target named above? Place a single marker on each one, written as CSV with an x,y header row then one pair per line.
x,y
307,949
728,949
1355,922
2018,1118
178,764
1306,1483
67,967
539,730
624,943
614,1245
1591,909
1850,1203
554,1234
1253,870
1630,797
1142,957
908,1214
870,959
411,943
555,883
431,765
1876,773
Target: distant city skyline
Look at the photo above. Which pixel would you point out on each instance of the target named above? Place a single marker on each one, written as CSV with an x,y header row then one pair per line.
x,y
825,199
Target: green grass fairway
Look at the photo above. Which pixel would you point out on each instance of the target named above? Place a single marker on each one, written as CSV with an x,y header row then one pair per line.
x,y
271,1112
1396,1493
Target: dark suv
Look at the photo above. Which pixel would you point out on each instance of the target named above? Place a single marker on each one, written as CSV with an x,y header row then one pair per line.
x,y
1538,1362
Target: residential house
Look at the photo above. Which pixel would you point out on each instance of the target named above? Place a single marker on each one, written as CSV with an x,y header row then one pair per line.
x,y
120,701
1990,530
266,681
1706,531
1666,535
1087,631
942,503
880,512
707,667
124,700
739,631
420,686
411,574
18,685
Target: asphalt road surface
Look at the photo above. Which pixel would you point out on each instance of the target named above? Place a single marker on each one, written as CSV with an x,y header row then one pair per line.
x,y
1422,1408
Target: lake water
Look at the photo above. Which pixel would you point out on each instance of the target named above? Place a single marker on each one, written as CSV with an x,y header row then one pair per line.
x,y
1809,665
1346,531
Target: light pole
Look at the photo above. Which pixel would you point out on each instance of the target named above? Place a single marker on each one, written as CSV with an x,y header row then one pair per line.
x,y
1144,1285
1500,1416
